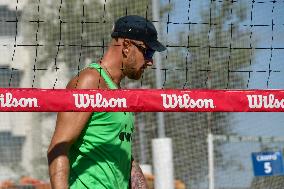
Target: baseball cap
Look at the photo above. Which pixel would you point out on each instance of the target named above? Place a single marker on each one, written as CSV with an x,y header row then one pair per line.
x,y
137,28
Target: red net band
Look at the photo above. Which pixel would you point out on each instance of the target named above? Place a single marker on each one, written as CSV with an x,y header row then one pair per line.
x,y
140,100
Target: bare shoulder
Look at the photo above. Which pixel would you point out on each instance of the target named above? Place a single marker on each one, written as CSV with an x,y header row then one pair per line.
x,y
87,79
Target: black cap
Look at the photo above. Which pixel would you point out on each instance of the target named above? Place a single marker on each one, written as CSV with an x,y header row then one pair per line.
x,y
137,28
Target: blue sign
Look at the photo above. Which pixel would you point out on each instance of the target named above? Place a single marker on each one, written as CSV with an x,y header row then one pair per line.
x,y
267,163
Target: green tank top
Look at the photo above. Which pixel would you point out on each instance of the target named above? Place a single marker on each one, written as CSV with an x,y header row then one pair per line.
x,y
101,156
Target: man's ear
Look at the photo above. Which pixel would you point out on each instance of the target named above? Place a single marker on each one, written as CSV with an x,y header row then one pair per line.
x,y
126,45
125,51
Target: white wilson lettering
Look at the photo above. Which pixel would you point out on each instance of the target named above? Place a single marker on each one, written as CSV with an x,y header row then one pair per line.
x,y
97,101
7,100
184,101
263,101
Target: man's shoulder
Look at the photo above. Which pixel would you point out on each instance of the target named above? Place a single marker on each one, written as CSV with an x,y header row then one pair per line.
x,y
87,79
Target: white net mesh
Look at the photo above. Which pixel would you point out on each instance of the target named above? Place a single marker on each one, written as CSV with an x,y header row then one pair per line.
x,y
210,44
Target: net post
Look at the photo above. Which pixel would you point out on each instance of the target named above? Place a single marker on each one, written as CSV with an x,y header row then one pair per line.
x,y
157,60
163,163
210,161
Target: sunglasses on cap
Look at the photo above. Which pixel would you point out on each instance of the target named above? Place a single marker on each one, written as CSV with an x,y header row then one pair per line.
x,y
147,52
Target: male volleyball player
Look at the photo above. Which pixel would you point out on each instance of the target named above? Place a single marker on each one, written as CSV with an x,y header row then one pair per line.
x,y
93,150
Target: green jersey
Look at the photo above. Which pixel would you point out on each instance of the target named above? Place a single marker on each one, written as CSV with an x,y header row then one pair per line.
x,y
101,156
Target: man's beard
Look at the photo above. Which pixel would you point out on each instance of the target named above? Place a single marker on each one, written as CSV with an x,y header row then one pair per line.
x,y
131,72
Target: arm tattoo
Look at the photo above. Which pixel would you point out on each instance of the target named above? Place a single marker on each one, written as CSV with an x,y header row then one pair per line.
x,y
138,180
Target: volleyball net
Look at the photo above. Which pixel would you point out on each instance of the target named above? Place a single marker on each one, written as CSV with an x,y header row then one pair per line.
x,y
219,84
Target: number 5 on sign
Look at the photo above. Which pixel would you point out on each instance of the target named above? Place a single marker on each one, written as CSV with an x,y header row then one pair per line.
x,y
267,163
267,167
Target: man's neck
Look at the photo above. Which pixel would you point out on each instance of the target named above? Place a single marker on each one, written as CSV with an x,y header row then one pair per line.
x,y
112,64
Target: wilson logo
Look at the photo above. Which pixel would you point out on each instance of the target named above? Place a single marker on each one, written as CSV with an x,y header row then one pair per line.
x,y
97,101
263,101
7,101
184,101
